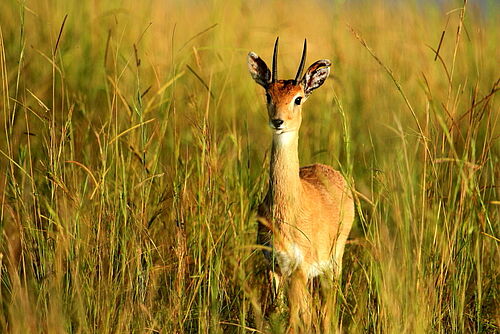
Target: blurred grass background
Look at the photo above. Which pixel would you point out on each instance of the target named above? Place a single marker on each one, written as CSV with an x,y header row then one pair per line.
x,y
135,149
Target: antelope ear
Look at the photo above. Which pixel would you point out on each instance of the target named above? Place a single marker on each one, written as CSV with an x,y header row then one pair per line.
x,y
315,75
258,69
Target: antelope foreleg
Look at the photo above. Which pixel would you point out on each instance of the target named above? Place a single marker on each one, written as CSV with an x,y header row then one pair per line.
x,y
299,300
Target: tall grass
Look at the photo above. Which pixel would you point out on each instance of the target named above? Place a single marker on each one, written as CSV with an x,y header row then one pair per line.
x,y
134,151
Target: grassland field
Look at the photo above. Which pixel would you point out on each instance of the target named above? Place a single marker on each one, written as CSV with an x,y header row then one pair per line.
x,y
135,149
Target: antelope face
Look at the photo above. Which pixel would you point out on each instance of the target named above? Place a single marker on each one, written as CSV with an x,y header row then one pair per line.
x,y
284,105
285,97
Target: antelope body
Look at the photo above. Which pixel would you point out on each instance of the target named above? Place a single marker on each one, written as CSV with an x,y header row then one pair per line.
x,y
308,212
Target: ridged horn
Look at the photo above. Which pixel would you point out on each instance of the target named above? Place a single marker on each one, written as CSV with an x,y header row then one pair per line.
x,y
302,62
274,76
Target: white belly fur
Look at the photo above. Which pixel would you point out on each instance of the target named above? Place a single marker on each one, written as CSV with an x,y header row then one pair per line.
x,y
290,260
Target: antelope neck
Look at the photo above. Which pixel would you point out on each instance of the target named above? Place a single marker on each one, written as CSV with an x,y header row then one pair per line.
x,y
284,182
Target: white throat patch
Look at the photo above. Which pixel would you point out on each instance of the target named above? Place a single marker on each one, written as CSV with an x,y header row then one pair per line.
x,y
284,139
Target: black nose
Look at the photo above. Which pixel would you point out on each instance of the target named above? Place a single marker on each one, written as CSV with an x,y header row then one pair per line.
x,y
277,123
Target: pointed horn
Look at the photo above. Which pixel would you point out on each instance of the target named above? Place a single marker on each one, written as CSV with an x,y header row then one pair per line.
x,y
302,62
274,76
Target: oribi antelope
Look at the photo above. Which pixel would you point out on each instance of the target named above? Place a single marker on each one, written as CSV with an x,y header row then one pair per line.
x,y
306,216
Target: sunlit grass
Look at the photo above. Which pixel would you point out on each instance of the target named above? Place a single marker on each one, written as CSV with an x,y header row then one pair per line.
x,y
135,150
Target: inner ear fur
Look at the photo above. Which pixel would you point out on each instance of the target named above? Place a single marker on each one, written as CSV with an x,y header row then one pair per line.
x,y
258,69
316,75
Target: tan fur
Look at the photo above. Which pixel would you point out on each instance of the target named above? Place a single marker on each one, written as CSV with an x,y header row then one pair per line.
x,y
282,89
307,213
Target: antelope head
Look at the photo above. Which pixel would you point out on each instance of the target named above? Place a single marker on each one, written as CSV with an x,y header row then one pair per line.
x,y
285,97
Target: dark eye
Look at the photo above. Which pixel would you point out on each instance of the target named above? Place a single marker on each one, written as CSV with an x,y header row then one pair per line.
x,y
268,98
298,100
